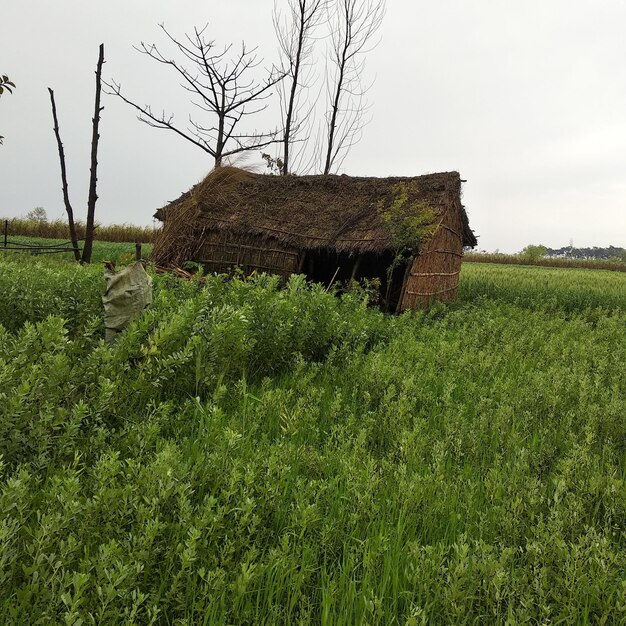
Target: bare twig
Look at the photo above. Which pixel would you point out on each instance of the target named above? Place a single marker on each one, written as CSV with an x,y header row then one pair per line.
x,y
219,84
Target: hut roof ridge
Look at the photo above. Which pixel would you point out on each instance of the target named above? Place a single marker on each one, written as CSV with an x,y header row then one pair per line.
x,y
315,211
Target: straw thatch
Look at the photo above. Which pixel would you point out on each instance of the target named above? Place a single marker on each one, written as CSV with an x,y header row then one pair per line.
x,y
235,217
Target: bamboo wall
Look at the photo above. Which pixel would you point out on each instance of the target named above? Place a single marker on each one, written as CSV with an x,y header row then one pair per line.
x,y
434,274
251,254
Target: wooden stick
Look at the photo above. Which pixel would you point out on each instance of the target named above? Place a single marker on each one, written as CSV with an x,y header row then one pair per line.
x,y
301,263
355,268
453,252
433,293
332,280
435,273
213,244
454,232
405,279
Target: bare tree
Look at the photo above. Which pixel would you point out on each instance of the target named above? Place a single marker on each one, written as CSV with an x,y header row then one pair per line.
x,y
295,34
66,197
93,196
220,85
91,202
354,23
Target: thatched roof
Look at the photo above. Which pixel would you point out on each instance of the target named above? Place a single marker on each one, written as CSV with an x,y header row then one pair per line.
x,y
308,212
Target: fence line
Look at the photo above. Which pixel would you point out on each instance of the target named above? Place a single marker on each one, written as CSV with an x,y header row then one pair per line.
x,y
34,248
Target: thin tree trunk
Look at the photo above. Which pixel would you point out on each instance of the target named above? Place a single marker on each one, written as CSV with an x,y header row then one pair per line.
x,y
333,120
66,197
357,21
91,203
292,96
219,144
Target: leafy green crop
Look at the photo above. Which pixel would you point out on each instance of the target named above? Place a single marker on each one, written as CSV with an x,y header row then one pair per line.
x,y
250,454
547,289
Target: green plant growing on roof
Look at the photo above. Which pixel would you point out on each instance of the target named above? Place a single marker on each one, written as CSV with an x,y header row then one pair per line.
x,y
410,223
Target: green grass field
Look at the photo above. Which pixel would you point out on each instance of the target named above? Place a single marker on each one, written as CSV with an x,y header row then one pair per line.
x,y
251,455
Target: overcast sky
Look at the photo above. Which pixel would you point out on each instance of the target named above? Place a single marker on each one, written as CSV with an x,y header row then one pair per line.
x,y
527,100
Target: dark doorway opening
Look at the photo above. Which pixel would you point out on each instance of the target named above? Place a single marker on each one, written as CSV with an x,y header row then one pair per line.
x,y
327,266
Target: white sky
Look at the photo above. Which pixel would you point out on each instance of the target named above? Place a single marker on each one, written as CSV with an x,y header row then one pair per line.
x,y
526,99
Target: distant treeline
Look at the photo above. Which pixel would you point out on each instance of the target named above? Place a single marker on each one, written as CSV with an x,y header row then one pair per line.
x,y
58,229
556,261
569,252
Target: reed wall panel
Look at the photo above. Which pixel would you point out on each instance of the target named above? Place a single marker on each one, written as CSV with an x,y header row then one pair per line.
x,y
435,271
222,254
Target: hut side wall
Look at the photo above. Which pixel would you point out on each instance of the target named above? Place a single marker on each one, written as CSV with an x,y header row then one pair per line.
x,y
223,252
435,271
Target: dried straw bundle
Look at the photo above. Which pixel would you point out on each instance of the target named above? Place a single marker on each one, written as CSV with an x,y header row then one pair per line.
x,y
182,236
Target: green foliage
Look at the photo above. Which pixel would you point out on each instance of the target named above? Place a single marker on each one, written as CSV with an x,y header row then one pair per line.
x,y
409,221
584,292
534,252
33,290
274,165
246,454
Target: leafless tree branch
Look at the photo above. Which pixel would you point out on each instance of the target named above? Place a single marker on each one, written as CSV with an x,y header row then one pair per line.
x,y
354,24
220,85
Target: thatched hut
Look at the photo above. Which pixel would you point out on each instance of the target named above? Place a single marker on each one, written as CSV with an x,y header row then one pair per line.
x,y
408,233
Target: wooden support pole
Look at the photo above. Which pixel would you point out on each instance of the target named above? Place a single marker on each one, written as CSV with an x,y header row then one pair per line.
x,y
403,290
301,263
138,251
6,231
355,268
332,280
